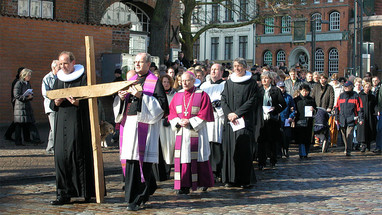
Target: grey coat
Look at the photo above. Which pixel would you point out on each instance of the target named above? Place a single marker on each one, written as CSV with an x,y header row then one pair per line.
x,y
323,96
23,112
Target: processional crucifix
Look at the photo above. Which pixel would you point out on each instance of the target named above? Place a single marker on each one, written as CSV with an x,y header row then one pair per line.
x,y
91,92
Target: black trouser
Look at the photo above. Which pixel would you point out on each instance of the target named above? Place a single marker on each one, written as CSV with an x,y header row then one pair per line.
x,y
269,136
26,127
137,192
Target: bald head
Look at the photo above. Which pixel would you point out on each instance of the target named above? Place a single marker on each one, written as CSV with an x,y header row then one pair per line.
x,y
216,72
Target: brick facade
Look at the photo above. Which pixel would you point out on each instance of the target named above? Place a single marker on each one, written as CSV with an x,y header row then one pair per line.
x,y
34,42
304,13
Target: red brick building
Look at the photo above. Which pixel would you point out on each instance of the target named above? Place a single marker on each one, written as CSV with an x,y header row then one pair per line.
x,y
33,33
287,37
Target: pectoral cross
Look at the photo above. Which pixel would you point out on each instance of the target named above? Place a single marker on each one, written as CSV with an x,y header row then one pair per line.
x,y
185,113
91,92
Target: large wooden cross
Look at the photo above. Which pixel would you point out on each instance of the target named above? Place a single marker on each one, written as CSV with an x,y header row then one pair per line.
x,y
91,92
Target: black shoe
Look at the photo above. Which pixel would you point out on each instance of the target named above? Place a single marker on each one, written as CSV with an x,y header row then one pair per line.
x,y
273,165
228,185
377,151
247,186
183,191
286,153
261,167
363,149
132,207
60,201
204,189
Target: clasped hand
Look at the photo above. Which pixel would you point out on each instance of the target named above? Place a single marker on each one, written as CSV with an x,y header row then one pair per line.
x,y
184,122
132,90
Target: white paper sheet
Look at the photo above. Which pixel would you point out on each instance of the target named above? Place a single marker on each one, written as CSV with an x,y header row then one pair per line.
x,y
267,109
240,124
308,111
28,92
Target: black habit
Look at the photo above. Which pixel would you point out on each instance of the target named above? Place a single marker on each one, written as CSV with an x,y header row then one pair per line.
x,y
367,131
72,149
240,98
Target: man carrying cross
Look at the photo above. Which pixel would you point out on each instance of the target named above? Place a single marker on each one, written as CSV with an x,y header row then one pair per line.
x,y
72,150
139,114
190,110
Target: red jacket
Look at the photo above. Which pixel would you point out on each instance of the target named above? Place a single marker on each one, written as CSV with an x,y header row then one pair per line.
x,y
349,109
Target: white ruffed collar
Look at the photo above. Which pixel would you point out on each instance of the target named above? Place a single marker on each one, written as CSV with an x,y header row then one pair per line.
x,y
237,79
78,71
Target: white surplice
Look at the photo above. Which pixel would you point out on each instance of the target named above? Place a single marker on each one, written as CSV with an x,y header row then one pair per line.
x,y
151,113
215,129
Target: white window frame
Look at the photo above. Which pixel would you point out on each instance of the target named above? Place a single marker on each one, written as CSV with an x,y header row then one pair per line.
x,y
267,58
319,60
269,25
286,24
35,8
335,21
333,60
318,18
280,57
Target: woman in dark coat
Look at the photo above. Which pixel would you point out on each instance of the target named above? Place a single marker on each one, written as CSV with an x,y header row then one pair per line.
x,y
23,112
367,131
270,96
304,124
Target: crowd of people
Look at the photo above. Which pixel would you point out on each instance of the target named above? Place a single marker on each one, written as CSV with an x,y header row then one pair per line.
x,y
206,121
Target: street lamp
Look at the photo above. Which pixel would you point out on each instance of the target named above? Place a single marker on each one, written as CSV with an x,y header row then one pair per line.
x,y
314,22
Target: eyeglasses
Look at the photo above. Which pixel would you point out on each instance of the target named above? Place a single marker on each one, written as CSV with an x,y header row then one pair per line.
x,y
140,62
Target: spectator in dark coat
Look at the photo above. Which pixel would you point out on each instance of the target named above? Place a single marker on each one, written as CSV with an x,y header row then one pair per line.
x,y
323,94
12,126
349,111
273,103
23,112
366,133
304,123
292,85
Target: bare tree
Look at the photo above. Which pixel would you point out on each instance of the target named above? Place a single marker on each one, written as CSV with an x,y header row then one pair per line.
x,y
247,10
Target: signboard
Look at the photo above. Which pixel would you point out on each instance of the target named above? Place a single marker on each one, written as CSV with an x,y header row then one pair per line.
x,y
299,29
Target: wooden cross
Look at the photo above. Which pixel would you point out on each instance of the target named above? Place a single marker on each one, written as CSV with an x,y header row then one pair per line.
x,y
91,92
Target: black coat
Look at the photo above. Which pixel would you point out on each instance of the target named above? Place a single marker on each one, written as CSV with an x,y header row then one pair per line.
x,y
301,102
22,111
367,131
278,101
73,150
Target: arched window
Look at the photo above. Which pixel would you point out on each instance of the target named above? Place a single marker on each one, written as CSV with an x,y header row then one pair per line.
x,y
268,58
334,19
280,57
333,60
123,13
317,16
319,60
285,23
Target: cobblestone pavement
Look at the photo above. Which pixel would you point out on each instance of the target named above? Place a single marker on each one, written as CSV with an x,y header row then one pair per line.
x,y
329,183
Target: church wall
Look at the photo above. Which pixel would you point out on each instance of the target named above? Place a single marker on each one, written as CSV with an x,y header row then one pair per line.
x,y
34,44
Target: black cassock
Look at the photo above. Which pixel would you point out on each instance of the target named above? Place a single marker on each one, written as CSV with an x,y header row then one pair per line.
x,y
240,98
72,149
